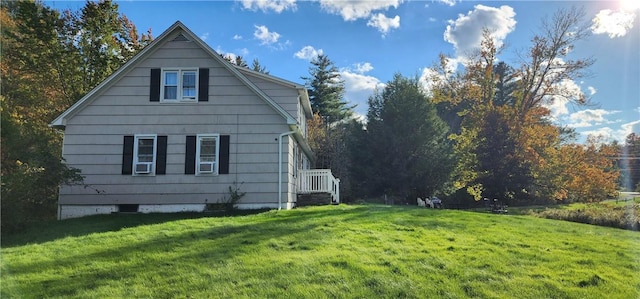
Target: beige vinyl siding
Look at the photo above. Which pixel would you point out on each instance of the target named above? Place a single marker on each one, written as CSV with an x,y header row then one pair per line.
x,y
302,120
94,137
287,98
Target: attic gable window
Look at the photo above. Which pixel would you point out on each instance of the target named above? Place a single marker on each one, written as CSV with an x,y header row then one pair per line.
x,y
179,85
172,85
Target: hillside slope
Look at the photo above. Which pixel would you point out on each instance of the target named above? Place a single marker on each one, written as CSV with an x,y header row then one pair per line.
x,y
361,251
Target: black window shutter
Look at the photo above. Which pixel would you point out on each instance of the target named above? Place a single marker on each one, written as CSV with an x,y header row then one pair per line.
x,y
154,86
161,157
127,155
190,156
203,85
223,168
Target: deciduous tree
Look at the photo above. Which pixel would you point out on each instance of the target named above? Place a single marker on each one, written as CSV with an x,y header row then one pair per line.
x,y
507,145
49,60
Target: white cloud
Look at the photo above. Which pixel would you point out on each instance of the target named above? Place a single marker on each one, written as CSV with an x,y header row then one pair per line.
x,y
357,9
204,36
432,19
383,23
565,92
308,53
277,6
590,117
613,23
358,88
592,90
264,36
606,132
232,55
465,33
595,117
619,134
237,37
358,82
222,52
628,128
558,107
448,2
429,77
362,68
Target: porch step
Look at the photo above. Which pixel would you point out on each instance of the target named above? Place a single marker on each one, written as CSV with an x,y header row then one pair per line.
x,y
313,199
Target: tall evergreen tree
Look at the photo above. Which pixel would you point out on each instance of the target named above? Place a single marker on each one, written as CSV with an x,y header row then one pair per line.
x,y
409,153
505,85
326,90
256,66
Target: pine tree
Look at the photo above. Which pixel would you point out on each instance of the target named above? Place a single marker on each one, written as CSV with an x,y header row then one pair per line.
x,y
407,143
326,90
256,66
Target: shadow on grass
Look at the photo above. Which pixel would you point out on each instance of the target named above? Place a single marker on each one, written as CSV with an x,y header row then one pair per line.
x,y
158,255
47,231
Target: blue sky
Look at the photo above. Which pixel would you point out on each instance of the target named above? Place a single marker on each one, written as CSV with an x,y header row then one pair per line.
x,y
369,41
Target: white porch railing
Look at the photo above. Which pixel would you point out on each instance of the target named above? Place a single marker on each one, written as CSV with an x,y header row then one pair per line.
x,y
319,181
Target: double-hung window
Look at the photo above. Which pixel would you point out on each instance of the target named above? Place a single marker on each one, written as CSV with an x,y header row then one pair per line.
x,y
207,152
144,154
179,85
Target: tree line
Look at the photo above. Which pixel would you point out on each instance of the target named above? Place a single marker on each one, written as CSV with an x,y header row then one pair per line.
x,y
50,59
480,132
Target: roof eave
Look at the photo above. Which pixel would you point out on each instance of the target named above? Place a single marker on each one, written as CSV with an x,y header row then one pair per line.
x,y
305,102
302,142
60,121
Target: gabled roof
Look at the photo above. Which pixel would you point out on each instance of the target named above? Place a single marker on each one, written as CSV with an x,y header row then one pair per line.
x,y
60,121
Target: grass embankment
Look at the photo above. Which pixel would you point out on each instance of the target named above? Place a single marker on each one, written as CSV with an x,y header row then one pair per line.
x,y
623,214
367,251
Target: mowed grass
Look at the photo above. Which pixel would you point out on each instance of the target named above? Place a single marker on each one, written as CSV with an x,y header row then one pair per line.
x,y
360,251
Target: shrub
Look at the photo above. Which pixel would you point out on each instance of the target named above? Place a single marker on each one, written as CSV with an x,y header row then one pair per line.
x,y
228,204
29,193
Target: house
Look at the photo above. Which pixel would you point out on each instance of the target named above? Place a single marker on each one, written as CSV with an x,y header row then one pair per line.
x,y
177,126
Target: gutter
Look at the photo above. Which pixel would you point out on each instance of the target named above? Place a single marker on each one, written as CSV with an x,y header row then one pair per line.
x,y
280,167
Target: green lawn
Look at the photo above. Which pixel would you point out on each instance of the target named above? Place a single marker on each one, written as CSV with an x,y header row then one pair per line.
x,y
360,251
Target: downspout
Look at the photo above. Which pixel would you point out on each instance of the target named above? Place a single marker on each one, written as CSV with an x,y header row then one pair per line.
x,y
280,167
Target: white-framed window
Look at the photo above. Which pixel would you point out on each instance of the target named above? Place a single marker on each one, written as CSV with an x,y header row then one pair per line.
x,y
179,85
207,153
145,148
